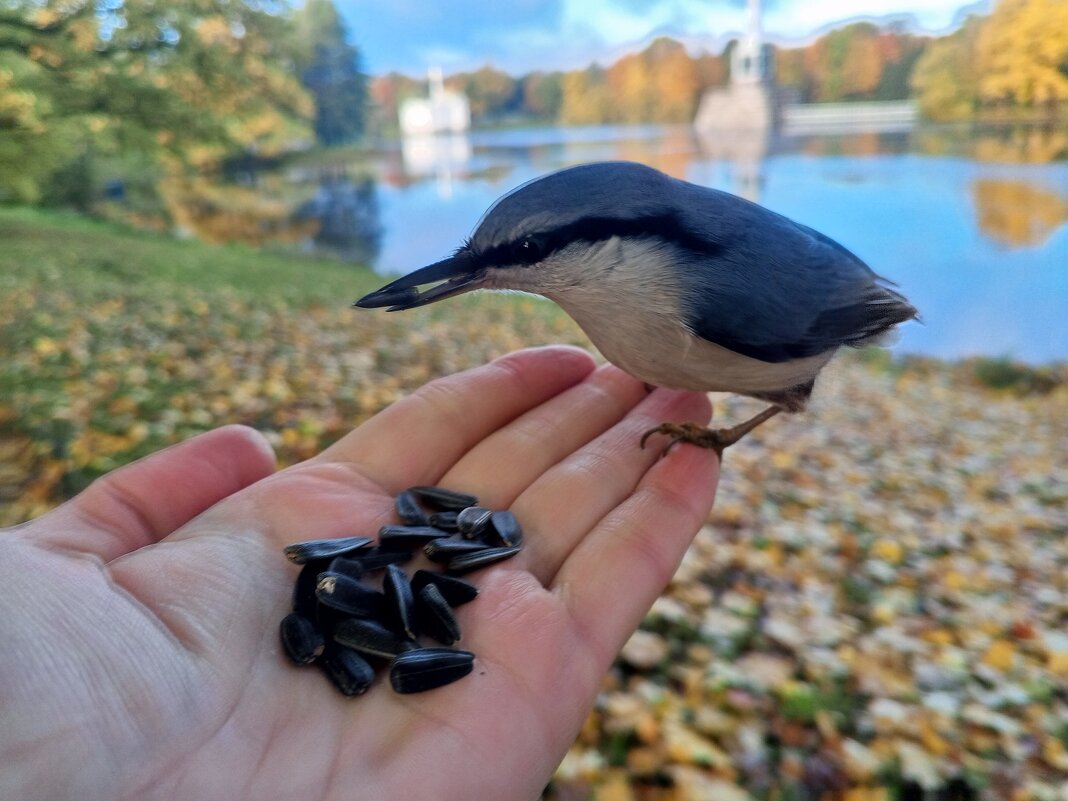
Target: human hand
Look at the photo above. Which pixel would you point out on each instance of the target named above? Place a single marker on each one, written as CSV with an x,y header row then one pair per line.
x,y
139,653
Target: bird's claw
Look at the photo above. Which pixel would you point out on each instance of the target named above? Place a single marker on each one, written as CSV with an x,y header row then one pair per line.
x,y
692,433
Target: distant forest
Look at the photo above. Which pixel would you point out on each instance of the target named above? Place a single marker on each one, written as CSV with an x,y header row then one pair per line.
x,y
1015,59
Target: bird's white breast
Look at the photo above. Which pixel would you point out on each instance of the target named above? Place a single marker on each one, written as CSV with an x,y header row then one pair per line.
x,y
626,298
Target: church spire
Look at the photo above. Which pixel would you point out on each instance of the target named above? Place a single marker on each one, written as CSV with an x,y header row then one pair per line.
x,y
747,60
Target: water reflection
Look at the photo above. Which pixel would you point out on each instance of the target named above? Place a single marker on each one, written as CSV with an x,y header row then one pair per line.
x,y
220,212
743,156
1016,213
443,156
345,212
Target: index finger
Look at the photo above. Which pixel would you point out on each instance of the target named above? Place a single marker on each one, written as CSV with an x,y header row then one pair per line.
x,y
418,438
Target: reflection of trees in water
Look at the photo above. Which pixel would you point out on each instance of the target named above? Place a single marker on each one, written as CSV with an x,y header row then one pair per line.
x,y
1013,144
266,207
346,210
1016,213
219,212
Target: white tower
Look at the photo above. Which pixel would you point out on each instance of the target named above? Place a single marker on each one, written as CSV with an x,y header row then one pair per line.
x,y
747,60
734,123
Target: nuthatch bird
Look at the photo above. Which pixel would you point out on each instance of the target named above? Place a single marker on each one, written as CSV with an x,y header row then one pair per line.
x,y
679,285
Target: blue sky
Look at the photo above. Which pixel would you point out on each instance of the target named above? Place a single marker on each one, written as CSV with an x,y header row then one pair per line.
x,y
523,35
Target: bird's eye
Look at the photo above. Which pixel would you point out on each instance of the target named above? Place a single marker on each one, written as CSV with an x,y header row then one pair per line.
x,y
528,251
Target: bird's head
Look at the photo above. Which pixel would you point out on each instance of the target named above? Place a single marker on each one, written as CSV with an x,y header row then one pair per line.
x,y
547,235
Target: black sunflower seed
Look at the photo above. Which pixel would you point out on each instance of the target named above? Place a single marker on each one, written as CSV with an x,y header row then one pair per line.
x,y
346,594
371,638
443,499
377,558
507,528
399,599
427,668
350,672
473,520
435,616
353,568
394,537
300,639
409,510
446,521
444,550
301,552
454,590
304,600
465,563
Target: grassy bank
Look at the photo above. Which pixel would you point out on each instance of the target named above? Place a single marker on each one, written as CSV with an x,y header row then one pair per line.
x,y
116,342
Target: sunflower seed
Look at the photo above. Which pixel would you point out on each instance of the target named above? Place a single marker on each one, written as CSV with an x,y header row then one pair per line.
x,y
346,594
350,672
435,616
428,668
399,599
507,527
456,591
353,568
443,499
371,638
444,550
465,563
473,520
300,639
304,600
377,558
393,537
301,552
409,510
446,521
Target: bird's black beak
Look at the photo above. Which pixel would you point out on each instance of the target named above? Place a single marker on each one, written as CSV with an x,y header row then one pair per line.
x,y
458,274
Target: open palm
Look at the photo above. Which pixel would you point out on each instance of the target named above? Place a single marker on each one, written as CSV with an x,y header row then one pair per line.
x,y
139,653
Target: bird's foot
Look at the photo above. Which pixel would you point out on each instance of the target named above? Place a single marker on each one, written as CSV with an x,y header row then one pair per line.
x,y
712,438
715,439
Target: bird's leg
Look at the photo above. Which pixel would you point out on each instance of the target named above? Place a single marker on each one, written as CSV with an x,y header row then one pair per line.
x,y
716,439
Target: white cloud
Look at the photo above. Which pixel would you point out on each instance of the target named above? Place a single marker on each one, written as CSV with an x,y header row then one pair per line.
x,y
613,23
798,19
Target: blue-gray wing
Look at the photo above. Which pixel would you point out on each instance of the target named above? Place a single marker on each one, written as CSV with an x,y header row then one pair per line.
x,y
775,290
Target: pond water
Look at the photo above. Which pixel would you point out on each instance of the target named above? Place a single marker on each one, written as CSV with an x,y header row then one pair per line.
x,y
972,225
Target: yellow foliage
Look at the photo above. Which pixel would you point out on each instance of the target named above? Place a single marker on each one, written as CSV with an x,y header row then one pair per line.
x,y
863,65
1016,213
887,549
1021,53
945,79
215,31
1000,655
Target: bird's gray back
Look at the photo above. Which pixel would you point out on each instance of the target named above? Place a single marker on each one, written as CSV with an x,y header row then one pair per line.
x,y
751,280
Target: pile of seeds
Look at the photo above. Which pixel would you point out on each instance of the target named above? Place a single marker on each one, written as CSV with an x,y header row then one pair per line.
x,y
354,606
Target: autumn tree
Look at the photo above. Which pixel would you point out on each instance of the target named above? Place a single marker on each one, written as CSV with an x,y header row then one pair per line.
x,y
674,81
1022,53
139,85
856,62
586,98
491,92
946,79
543,94
329,68
630,85
710,70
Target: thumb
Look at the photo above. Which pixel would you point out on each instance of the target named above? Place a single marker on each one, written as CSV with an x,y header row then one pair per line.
x,y
145,501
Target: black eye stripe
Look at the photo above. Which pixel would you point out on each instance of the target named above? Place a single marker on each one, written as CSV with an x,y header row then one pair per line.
x,y
533,248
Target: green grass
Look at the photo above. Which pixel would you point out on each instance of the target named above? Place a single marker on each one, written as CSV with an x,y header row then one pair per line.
x,y
59,247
